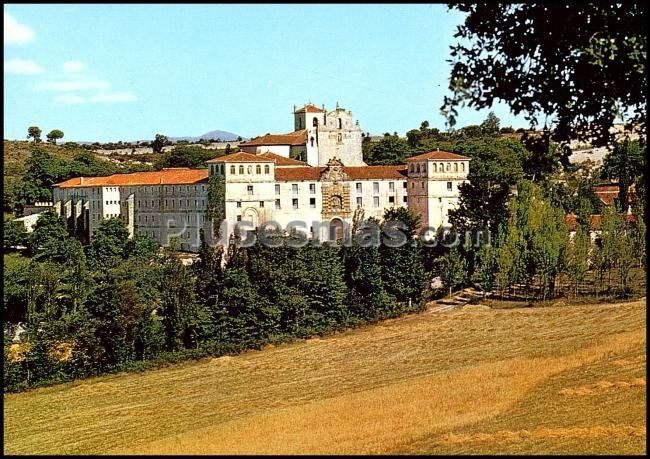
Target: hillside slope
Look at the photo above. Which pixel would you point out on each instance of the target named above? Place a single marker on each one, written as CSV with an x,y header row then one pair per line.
x,y
533,380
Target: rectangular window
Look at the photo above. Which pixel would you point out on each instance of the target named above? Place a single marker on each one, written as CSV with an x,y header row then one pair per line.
x,y
448,186
375,201
238,218
359,201
391,200
359,187
295,203
277,203
391,186
405,199
261,203
404,183
277,189
250,189
238,204
312,203
294,188
375,187
312,188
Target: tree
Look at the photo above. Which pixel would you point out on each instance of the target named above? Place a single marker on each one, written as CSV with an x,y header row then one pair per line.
x,y
48,240
626,164
495,168
159,142
14,234
452,269
390,150
54,135
402,267
490,126
185,156
582,64
486,268
35,133
179,309
576,258
109,245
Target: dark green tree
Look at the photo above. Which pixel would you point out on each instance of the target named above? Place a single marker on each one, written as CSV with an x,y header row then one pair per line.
x,y
14,235
159,142
626,164
491,124
54,135
402,267
391,150
34,132
581,64
109,244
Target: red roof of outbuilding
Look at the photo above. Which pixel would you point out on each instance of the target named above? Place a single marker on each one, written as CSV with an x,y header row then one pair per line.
x,y
310,108
171,176
240,157
437,155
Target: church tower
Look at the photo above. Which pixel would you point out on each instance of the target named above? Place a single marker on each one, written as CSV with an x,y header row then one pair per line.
x,y
332,134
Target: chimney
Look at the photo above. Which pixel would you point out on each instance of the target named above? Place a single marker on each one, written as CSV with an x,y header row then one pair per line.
x,y
81,180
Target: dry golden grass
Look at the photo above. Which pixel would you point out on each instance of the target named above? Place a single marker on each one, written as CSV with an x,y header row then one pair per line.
x,y
454,381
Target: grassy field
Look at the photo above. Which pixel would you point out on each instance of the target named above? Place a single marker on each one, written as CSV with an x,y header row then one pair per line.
x,y
564,379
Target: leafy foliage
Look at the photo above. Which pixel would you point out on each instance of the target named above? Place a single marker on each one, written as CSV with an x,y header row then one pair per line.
x,y
581,64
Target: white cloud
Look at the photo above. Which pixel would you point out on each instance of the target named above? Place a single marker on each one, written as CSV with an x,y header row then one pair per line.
x,y
70,99
23,67
114,97
16,33
100,98
84,84
74,66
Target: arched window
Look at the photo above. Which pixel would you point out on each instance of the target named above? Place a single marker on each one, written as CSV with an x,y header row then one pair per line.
x,y
340,138
250,170
340,123
311,141
314,122
258,169
267,169
241,170
462,167
411,167
448,167
435,167
424,167
417,168
455,167
232,170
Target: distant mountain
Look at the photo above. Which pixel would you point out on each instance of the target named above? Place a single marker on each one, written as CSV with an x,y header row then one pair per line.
x,y
216,134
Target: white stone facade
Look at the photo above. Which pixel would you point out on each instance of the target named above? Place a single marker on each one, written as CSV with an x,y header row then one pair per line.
x,y
264,184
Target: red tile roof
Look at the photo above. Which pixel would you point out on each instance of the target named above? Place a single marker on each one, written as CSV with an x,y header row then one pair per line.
x,y
240,157
281,160
296,138
171,176
594,221
376,172
608,194
355,173
310,108
288,174
437,155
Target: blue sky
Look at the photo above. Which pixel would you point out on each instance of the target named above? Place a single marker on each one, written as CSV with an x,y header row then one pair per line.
x,y
126,72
